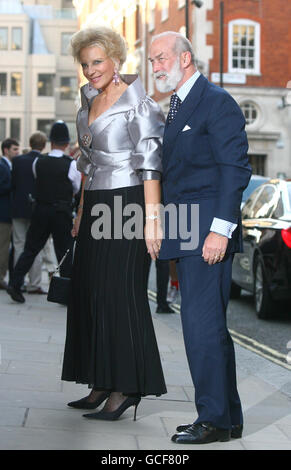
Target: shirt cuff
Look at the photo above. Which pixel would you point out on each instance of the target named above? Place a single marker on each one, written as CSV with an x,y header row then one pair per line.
x,y
223,227
150,175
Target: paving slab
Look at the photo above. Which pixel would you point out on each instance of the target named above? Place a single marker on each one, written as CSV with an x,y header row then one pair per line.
x,y
47,439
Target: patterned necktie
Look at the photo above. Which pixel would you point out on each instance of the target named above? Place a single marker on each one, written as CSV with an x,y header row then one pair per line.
x,y
174,106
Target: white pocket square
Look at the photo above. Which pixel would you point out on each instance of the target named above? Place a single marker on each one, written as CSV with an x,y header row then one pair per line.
x,y
186,128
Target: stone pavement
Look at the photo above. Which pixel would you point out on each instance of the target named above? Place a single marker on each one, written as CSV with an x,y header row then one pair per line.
x,y
33,411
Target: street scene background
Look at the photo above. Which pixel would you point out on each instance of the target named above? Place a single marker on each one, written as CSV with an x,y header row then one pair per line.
x,y
242,45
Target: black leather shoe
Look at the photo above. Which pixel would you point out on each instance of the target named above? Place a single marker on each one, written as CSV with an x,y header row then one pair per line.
x,y
201,433
164,309
15,294
236,430
84,404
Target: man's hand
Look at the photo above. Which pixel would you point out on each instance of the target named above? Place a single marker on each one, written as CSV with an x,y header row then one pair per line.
x,y
214,248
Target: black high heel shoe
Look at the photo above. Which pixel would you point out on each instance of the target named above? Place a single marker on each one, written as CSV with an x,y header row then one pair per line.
x,y
114,415
84,404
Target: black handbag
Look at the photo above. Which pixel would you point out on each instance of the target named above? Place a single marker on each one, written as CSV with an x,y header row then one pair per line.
x,y
60,287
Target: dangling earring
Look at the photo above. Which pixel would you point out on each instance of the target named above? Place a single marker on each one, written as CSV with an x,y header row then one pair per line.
x,y
90,86
116,77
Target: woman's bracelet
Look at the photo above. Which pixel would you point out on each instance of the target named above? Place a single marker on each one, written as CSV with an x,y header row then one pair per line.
x,y
152,217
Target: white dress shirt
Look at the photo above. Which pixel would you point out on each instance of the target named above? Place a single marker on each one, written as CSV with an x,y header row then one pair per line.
x,y
74,175
223,227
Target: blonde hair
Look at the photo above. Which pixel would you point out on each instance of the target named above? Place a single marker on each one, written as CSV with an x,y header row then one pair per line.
x,y
106,38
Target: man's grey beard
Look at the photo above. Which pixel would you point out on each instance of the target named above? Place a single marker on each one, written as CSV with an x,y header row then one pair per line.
x,y
172,78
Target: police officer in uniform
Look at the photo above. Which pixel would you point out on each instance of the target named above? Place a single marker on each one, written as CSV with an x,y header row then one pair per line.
x,y
57,180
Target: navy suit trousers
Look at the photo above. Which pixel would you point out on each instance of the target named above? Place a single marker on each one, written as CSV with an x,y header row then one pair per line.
x,y
204,297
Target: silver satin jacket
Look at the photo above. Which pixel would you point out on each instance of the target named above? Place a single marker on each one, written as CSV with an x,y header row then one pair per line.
x,y
123,146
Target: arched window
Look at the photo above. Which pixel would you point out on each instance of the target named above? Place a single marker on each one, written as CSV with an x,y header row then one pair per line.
x,y
250,112
244,47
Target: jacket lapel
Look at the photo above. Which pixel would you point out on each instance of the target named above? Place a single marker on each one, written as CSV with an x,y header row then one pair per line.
x,y
186,109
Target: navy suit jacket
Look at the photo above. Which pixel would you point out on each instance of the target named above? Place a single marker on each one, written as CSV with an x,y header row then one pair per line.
x,y
23,184
5,191
205,165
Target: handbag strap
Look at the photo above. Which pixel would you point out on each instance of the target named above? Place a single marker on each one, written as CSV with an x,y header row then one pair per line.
x,y
57,270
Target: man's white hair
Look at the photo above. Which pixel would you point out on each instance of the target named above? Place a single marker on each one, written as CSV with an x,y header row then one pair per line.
x,y
181,44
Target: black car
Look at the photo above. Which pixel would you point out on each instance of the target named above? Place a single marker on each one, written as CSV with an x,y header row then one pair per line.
x,y
265,266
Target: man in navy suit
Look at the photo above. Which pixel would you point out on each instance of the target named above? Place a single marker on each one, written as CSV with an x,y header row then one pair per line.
x,y
23,192
10,149
205,170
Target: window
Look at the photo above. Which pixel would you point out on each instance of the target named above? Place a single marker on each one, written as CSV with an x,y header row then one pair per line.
x,y
44,125
244,46
65,41
152,15
165,10
257,163
3,39
16,78
2,129
279,209
247,209
16,43
3,84
15,128
265,204
250,112
45,84
69,88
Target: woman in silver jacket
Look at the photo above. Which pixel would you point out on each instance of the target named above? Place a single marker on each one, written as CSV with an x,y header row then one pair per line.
x,y
110,343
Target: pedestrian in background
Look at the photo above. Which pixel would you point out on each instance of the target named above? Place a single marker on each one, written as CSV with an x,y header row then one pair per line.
x,y
173,293
10,149
23,195
57,180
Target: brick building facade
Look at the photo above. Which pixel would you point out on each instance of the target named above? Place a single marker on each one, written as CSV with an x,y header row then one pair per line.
x,y
257,37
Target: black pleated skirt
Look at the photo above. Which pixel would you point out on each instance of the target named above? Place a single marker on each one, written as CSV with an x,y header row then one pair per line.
x,y
110,342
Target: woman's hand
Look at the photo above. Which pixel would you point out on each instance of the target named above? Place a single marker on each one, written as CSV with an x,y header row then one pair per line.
x,y
76,225
153,237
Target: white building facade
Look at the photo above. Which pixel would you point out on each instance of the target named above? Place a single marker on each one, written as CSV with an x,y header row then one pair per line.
x,y
38,78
